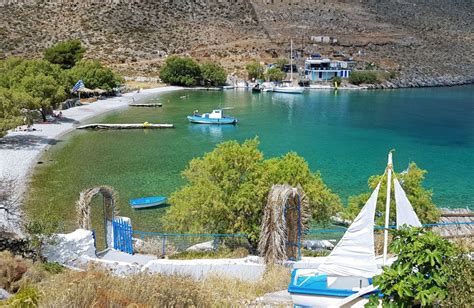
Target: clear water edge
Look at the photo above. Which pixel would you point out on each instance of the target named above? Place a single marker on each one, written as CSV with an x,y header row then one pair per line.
x,y
344,135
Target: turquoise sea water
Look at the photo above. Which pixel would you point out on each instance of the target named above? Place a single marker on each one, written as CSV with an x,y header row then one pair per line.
x,y
344,135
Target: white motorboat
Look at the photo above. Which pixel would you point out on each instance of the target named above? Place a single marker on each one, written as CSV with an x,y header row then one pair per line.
x,y
287,85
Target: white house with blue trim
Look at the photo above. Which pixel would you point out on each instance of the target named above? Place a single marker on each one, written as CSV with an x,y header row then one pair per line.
x,y
323,69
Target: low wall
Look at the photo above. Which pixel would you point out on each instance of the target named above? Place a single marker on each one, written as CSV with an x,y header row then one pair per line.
x,y
19,246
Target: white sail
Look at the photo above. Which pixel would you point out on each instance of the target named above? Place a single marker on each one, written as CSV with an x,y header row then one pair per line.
x,y
405,213
354,255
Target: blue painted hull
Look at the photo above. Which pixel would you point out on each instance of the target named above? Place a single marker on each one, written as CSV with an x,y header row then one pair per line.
x,y
201,120
147,202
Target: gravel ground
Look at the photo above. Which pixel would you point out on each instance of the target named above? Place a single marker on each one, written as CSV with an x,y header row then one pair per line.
x,y
20,150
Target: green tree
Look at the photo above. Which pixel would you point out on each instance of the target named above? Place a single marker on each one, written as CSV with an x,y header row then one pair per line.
x,y
420,273
226,190
11,104
281,63
255,70
359,77
213,74
94,75
412,183
181,71
66,53
275,74
42,85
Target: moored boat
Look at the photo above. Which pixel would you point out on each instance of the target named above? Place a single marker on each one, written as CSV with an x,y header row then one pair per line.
x,y
215,117
287,85
344,279
147,202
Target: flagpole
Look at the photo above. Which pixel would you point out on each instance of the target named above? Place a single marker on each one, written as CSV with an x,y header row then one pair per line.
x,y
387,207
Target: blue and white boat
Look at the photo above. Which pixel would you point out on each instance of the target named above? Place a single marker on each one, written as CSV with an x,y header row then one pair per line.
x,y
344,278
215,117
147,202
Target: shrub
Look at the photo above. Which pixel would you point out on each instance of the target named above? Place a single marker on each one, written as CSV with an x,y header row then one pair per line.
x,y
412,182
419,274
281,63
26,297
275,74
213,74
359,77
460,286
255,70
94,75
66,54
181,71
227,188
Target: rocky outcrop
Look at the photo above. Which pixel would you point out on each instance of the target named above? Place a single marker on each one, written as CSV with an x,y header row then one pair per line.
x,y
68,249
424,41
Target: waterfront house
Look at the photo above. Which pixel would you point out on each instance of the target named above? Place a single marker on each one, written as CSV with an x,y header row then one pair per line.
x,y
318,68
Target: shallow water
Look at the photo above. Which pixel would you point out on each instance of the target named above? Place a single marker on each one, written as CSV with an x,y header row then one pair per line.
x,y
345,135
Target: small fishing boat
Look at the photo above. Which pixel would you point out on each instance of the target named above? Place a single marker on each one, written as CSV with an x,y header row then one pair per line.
x,y
147,202
344,279
256,88
215,117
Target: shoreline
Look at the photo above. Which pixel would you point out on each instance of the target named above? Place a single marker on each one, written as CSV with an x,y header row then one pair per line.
x,y
20,150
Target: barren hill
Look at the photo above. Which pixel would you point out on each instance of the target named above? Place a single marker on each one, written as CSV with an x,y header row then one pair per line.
x,y
430,42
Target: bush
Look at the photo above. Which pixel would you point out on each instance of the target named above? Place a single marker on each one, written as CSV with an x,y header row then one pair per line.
x,y
419,274
275,74
281,63
359,77
213,74
66,54
412,183
181,71
227,188
26,297
460,286
94,75
255,70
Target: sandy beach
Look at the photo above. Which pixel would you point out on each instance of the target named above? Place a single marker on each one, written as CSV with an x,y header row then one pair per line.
x,y
19,150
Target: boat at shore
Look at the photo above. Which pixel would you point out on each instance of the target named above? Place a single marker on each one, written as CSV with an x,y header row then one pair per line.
x,y
287,85
147,202
344,279
215,117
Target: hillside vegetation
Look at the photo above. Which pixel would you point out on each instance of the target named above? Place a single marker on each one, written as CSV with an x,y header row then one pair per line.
x,y
430,41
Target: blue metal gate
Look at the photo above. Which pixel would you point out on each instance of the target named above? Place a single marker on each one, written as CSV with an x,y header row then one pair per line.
x,y
122,231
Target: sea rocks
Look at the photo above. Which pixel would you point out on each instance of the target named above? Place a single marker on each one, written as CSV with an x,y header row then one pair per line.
x,y
205,246
67,249
4,294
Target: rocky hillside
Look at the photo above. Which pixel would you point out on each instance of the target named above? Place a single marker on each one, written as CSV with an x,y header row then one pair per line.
x,y
430,42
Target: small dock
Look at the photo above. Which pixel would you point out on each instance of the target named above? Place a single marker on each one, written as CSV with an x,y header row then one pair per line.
x,y
125,126
147,105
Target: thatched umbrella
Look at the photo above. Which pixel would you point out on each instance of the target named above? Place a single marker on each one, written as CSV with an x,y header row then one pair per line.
x,y
280,222
83,208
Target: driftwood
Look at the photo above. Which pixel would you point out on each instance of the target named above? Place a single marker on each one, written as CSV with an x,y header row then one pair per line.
x,y
83,209
280,223
125,126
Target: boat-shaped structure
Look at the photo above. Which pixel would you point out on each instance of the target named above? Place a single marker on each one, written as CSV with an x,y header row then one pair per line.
x,y
344,279
147,202
287,87
215,117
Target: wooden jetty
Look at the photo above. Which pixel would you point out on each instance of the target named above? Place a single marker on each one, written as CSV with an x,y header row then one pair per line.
x,y
125,126
146,105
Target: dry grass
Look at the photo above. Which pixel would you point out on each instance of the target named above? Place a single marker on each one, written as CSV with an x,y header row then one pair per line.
x,y
102,289
133,85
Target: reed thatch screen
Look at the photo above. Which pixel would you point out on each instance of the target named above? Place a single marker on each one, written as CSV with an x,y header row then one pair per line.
x,y
286,216
83,208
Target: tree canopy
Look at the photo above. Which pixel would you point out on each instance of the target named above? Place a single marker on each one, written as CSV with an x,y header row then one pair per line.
x,y
255,70
227,188
94,75
31,85
412,183
213,74
181,71
275,74
66,53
